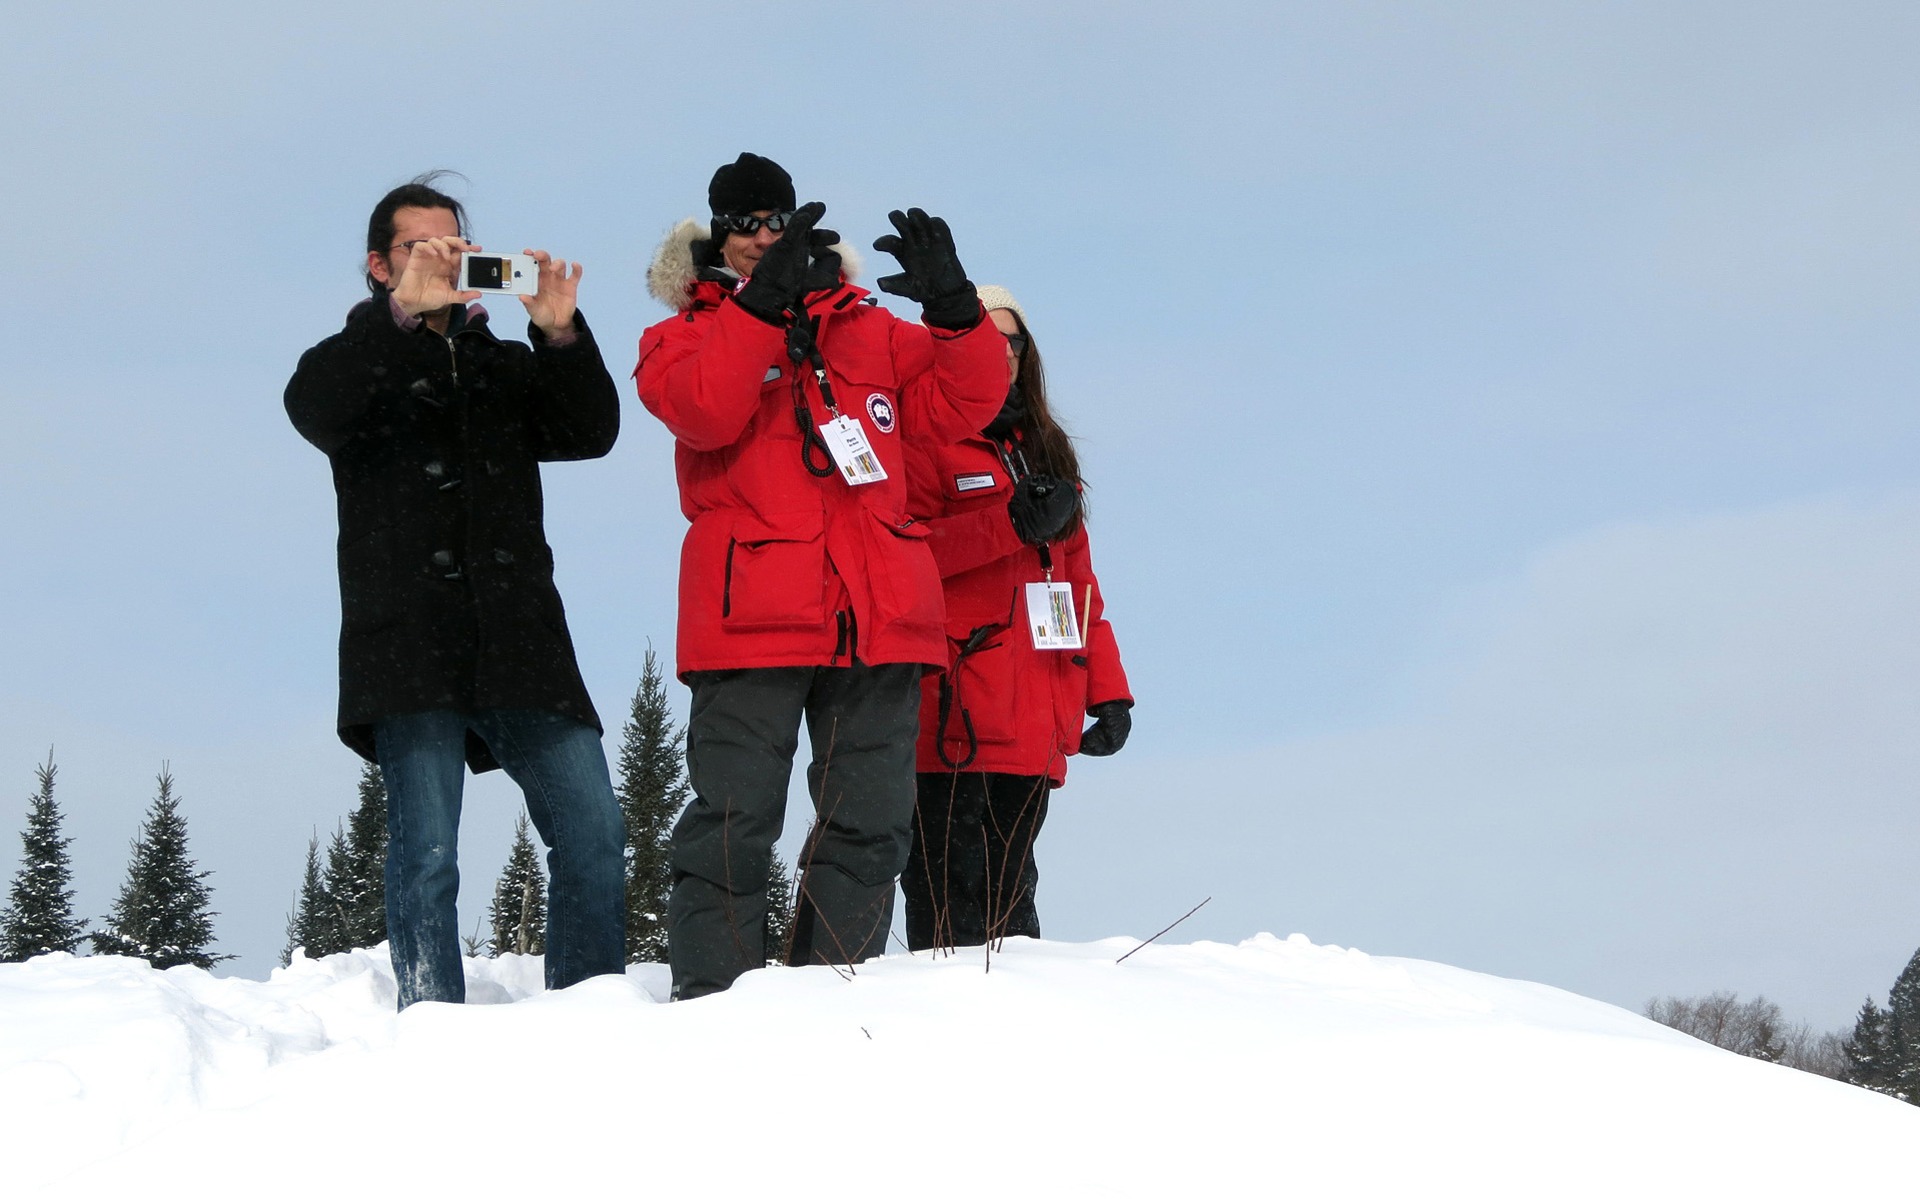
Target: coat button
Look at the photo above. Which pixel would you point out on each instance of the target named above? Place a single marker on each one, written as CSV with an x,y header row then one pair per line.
x,y
435,470
443,557
421,387
503,557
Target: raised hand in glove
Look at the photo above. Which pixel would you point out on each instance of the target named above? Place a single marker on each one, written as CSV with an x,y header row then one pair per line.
x,y
1042,507
930,271
1111,723
786,271
823,264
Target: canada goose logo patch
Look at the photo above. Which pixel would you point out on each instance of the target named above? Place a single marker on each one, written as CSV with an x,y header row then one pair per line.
x,y
880,408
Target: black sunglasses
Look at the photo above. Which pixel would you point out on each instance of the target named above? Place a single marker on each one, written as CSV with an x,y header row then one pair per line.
x,y
1019,342
748,224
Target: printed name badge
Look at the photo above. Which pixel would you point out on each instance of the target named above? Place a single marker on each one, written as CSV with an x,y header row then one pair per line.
x,y
847,442
1050,616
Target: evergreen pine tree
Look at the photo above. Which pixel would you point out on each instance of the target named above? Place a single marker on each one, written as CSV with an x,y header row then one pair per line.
x,y
1903,1032
345,907
161,914
359,889
307,907
330,919
1869,1050
519,912
1883,1052
779,910
39,917
652,788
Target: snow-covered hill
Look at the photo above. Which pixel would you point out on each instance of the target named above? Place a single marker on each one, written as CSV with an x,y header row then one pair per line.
x,y
1265,1068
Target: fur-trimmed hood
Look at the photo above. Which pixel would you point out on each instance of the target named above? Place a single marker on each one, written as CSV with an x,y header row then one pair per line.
x,y
672,274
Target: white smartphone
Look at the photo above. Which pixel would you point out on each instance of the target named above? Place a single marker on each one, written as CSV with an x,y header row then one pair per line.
x,y
502,274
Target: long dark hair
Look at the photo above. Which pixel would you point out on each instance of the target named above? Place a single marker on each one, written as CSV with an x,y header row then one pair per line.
x,y
1050,445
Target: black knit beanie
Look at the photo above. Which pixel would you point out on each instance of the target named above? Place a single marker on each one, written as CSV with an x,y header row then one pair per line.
x,y
750,183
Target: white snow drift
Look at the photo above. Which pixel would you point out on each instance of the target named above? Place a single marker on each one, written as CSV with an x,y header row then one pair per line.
x,y
1265,1068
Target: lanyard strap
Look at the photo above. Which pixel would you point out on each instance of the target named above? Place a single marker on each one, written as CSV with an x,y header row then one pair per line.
x,y
1010,452
802,346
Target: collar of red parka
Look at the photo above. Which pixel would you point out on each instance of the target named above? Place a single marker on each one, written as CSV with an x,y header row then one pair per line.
x,y
677,278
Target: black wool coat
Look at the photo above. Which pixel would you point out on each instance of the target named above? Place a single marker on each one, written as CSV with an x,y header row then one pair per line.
x,y
446,579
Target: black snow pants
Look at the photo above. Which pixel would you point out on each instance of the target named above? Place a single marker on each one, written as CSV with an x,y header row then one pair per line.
x,y
741,737
970,874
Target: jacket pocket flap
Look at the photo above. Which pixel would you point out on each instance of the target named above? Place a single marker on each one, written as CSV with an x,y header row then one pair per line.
x,y
901,526
864,370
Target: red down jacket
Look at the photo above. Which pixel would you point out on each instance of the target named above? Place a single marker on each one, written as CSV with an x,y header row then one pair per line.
x,y
1026,706
782,567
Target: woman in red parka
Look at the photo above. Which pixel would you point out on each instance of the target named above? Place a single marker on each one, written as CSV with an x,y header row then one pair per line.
x,y
1030,655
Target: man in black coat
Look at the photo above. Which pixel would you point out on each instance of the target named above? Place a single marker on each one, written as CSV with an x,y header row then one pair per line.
x,y
454,648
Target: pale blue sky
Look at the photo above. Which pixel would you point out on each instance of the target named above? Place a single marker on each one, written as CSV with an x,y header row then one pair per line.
x,y
1499,420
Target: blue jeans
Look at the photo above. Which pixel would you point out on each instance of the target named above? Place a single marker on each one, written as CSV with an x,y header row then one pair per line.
x,y
562,769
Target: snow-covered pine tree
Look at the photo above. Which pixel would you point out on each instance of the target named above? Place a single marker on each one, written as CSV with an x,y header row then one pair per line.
x,y
519,912
360,887
653,786
307,907
161,914
39,916
1903,1031
346,908
779,909
1872,1061
330,919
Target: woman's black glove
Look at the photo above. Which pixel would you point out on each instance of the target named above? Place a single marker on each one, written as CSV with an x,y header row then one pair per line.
x,y
786,271
1041,508
930,271
1112,721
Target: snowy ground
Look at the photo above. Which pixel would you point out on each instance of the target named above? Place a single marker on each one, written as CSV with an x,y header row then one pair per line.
x,y
1265,1068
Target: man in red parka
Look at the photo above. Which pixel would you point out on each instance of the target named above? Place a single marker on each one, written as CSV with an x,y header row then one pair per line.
x,y
805,589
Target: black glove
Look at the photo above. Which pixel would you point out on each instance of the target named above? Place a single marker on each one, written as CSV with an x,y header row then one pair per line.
x,y
930,272
1041,508
823,266
786,271
1111,723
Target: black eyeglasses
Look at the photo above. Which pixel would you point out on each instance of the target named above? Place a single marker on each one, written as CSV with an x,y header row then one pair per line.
x,y
747,225
1019,342
407,245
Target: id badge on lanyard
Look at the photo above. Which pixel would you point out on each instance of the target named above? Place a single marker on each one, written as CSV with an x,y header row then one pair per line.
x,y
851,451
1051,618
